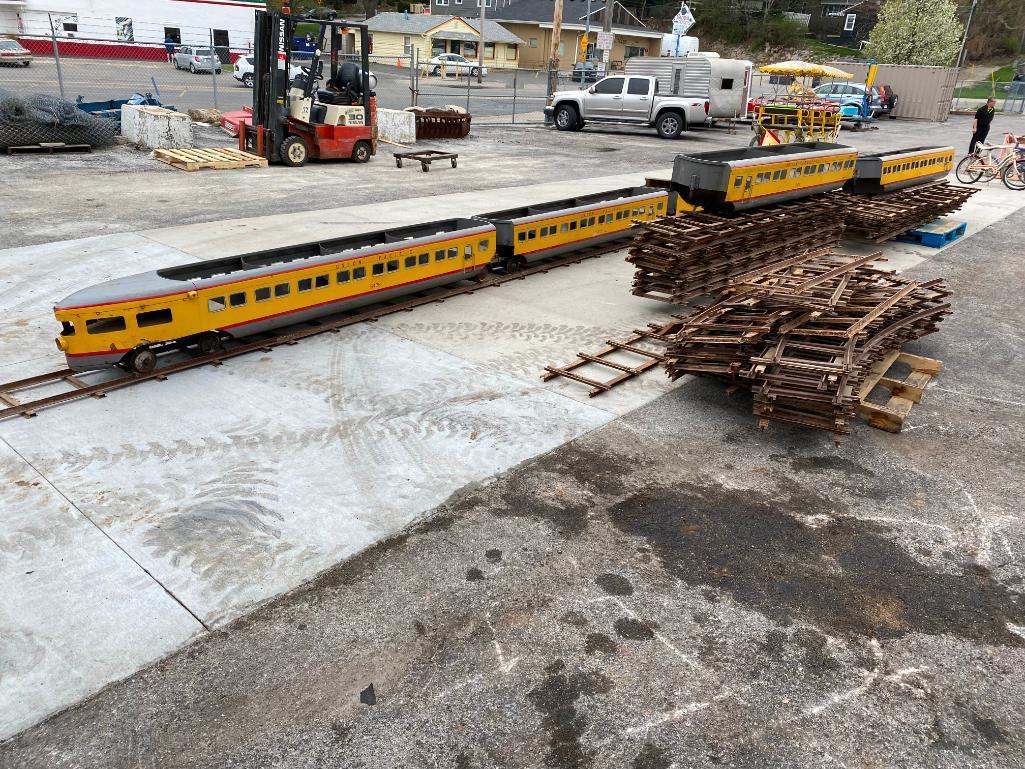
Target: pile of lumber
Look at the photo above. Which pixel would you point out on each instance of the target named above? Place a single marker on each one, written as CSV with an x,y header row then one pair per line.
x,y
881,217
682,257
803,334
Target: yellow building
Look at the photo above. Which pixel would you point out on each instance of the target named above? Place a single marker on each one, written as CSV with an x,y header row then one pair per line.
x,y
531,21
427,35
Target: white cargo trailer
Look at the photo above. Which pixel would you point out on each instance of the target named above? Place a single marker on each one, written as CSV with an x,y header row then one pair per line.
x,y
726,83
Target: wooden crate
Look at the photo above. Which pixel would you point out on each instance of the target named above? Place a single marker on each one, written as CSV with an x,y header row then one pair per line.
x,y
219,158
904,393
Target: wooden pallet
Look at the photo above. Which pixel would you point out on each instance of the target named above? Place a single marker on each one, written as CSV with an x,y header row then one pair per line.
x,y
49,147
219,158
904,393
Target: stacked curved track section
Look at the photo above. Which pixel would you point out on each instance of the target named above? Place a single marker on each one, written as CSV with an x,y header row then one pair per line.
x,y
881,217
679,258
803,337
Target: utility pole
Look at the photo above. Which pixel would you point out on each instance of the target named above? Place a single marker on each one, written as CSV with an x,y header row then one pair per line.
x,y
587,29
480,43
553,57
964,40
606,21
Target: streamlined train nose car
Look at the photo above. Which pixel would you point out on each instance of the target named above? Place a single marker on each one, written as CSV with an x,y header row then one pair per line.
x,y
738,179
129,321
535,232
886,171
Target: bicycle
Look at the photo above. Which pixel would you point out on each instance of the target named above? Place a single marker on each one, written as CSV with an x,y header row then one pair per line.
x,y
983,166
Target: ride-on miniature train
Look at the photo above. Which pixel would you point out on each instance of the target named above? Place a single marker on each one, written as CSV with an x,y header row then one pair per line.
x,y
887,171
739,179
129,321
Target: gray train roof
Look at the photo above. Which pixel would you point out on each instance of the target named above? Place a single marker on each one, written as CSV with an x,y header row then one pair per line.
x,y
569,205
214,272
755,155
907,151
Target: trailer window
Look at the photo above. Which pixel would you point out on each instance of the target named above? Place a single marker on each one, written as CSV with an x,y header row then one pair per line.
x,y
215,304
105,325
343,276
411,261
453,253
261,294
305,284
67,328
282,289
393,265
153,318
359,273
377,269
726,84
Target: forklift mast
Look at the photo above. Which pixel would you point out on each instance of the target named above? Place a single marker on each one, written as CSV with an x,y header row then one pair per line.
x,y
272,50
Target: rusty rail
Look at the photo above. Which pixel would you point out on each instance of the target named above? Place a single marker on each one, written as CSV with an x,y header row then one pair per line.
x,y
879,218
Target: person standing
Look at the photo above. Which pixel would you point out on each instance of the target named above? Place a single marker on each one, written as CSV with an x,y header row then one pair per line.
x,y
169,47
981,123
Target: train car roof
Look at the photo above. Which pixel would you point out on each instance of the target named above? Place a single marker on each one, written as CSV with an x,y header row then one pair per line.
x,y
766,153
580,201
173,280
906,151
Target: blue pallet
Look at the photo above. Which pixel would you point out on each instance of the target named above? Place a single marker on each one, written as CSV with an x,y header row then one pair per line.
x,y
935,234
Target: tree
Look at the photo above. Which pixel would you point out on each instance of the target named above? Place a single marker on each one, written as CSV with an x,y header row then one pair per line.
x,y
913,32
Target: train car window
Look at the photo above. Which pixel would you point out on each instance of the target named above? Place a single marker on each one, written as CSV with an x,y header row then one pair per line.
x,y
105,325
779,175
305,284
439,256
651,210
322,281
660,205
262,294
453,253
282,289
468,251
155,317
532,235
343,276
411,261
590,222
393,265
572,225
377,269
67,328
521,236
359,273
583,222
822,168
424,258
739,181
564,227
237,300
215,304
758,178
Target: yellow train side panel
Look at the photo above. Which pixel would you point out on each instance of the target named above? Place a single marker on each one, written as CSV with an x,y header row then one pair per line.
x,y
776,177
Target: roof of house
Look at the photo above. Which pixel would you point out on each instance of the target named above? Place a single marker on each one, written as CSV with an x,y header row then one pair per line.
x,y
420,24
574,12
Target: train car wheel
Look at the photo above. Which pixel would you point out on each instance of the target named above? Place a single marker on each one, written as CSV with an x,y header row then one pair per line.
x,y
566,118
210,343
669,125
142,361
294,151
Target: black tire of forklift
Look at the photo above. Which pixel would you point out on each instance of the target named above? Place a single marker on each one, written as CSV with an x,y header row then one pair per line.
x,y
294,152
670,124
567,118
361,152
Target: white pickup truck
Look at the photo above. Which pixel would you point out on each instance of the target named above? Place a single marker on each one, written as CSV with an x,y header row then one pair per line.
x,y
627,99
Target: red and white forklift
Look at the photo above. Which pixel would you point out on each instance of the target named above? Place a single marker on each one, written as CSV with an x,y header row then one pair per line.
x,y
294,120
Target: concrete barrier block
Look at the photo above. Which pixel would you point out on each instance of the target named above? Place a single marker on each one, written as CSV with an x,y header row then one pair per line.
x,y
396,126
156,127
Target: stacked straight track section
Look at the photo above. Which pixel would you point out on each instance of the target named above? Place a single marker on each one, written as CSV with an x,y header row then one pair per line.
x,y
803,337
682,257
881,217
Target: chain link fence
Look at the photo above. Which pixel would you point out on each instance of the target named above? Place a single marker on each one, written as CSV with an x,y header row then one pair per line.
x,y
971,94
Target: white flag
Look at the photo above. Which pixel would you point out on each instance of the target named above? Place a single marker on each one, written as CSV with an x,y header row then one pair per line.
x,y
683,21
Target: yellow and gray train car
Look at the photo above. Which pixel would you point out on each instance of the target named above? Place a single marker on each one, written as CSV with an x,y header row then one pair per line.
x,y
530,233
887,171
748,177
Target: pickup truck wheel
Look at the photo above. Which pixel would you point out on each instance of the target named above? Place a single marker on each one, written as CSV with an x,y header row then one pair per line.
x,y
669,125
566,118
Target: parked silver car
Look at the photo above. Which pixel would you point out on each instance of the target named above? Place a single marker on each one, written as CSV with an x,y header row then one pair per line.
x,y
196,59
453,63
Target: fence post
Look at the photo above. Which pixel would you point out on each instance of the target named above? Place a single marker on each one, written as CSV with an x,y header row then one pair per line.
x,y
215,64
56,57
515,73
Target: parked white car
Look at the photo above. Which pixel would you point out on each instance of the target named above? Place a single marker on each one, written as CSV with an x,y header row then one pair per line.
x,y
246,65
196,59
453,62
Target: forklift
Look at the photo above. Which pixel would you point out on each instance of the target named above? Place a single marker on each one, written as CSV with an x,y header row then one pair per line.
x,y
293,120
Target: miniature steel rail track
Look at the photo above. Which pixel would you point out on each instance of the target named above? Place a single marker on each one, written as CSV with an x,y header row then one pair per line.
x,y
265,343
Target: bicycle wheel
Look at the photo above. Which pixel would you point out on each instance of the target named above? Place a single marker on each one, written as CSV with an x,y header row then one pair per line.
x,y
967,171
1013,175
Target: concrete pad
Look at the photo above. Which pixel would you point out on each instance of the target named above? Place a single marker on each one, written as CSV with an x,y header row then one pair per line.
x,y
77,611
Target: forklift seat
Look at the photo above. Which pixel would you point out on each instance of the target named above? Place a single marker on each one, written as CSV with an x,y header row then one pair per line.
x,y
333,97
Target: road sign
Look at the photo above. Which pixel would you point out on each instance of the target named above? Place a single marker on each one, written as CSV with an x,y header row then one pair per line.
x,y
605,41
